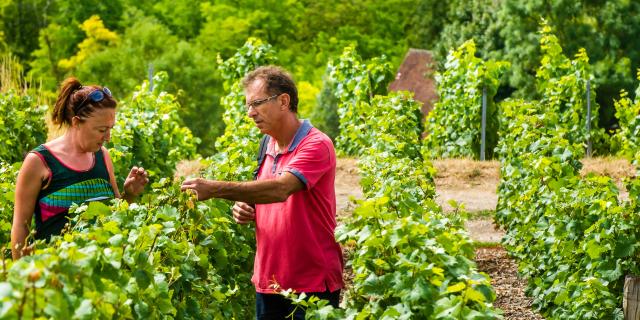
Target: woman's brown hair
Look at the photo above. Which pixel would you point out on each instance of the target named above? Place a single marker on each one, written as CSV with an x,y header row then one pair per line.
x,y
70,102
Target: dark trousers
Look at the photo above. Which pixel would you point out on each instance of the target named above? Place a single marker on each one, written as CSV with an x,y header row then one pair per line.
x,y
277,307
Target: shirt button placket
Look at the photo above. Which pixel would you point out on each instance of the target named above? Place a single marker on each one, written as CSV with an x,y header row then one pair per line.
x,y
275,164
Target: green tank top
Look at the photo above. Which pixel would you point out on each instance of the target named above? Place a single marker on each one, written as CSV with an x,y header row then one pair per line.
x,y
67,186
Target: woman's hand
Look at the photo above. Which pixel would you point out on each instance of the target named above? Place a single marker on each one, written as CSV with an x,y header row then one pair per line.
x,y
135,182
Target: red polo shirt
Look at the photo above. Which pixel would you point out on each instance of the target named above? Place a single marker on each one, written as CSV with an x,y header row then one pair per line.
x,y
296,246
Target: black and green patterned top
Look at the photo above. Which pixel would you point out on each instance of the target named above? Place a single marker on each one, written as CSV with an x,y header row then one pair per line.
x,y
66,186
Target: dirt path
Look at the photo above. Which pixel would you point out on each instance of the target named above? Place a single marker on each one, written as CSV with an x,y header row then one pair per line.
x,y
472,183
475,183
504,279
347,185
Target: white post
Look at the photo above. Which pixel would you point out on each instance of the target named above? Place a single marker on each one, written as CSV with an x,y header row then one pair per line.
x,y
150,77
588,117
483,133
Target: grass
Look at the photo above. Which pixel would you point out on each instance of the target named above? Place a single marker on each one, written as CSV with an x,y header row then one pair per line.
x,y
13,78
614,167
11,75
482,214
486,244
464,169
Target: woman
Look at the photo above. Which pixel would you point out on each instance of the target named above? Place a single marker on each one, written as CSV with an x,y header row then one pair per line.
x,y
73,168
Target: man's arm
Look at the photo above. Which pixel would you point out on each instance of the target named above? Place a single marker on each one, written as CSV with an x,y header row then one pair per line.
x,y
262,191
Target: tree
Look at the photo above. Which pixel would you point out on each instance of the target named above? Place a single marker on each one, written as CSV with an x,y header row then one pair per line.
x,y
97,38
193,79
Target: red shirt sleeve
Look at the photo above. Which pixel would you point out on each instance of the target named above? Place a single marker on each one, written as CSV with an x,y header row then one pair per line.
x,y
313,158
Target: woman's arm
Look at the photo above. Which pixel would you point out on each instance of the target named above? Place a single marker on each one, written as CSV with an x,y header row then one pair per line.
x,y
112,176
31,177
133,184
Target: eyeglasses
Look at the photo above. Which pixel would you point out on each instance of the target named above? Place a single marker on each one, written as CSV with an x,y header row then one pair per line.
x,y
96,95
256,103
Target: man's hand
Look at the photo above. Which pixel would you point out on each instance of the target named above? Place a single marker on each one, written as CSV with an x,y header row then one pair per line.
x,y
202,187
135,182
243,213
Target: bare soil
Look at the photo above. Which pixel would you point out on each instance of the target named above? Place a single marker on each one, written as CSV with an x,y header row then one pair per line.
x,y
484,230
473,183
347,185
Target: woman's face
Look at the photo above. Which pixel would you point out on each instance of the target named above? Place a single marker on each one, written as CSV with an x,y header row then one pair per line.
x,y
95,130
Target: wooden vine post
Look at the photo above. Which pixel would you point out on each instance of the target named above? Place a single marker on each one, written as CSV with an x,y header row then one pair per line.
x,y
631,300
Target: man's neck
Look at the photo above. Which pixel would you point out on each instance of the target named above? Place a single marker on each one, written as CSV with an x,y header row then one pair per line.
x,y
285,136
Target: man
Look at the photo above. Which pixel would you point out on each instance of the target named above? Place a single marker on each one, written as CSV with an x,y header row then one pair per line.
x,y
294,199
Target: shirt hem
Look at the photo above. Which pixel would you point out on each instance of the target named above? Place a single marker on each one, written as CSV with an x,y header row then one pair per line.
x,y
300,176
331,288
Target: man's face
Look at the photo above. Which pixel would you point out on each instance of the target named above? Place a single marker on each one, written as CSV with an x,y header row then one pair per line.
x,y
263,108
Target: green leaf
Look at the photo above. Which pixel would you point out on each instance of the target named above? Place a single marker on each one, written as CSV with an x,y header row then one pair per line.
x,y
456,287
85,310
594,250
142,278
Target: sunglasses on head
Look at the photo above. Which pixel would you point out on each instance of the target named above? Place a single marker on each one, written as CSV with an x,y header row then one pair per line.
x,y
96,95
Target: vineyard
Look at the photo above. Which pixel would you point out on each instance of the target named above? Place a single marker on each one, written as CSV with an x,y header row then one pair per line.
x,y
169,256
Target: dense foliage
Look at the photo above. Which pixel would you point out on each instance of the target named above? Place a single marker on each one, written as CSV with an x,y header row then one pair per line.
x,y
22,128
172,257
625,141
325,115
507,30
236,161
355,84
574,239
165,258
409,259
148,125
573,236
115,43
239,144
8,175
168,257
22,125
562,86
454,125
